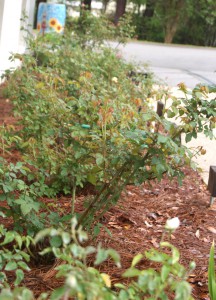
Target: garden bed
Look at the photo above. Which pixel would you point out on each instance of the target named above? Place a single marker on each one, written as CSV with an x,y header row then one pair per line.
x,y
136,224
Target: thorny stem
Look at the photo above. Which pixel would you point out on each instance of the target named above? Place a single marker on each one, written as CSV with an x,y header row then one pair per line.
x,y
104,147
73,196
3,144
30,252
104,187
100,198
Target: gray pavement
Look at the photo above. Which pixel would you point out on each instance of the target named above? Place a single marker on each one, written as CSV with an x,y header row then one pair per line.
x,y
173,64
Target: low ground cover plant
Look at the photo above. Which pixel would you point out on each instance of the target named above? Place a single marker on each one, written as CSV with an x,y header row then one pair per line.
x,y
82,281
84,117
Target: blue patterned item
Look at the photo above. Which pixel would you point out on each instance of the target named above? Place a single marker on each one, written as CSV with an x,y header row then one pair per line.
x,y
51,17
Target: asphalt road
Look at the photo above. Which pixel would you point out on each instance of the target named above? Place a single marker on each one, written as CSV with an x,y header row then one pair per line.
x,y
174,63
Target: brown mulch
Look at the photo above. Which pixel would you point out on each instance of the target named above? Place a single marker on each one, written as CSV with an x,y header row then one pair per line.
x,y
137,223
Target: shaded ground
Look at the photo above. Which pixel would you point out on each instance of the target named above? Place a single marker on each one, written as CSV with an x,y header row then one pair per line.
x,y
137,224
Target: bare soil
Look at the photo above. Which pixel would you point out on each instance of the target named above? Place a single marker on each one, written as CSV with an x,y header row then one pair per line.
x,y
137,223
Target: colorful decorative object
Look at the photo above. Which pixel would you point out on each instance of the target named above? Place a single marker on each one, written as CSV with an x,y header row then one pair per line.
x,y
51,17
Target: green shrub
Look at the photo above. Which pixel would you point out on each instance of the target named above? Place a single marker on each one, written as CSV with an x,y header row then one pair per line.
x,y
85,116
22,192
91,31
84,119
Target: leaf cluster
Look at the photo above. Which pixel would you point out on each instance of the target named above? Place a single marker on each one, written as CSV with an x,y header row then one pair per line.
x,y
12,255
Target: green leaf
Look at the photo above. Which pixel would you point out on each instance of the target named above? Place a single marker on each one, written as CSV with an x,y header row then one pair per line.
x,y
2,214
123,295
66,238
45,251
183,291
165,270
21,185
24,255
131,272
147,116
42,234
26,208
3,277
96,230
175,252
115,256
119,285
23,265
92,178
58,293
27,294
27,204
175,255
63,270
2,198
75,249
99,159
82,236
7,188
9,237
90,250
162,139
19,240
7,255
188,137
101,256
56,241
136,259
19,277
170,114
10,266
17,256
155,256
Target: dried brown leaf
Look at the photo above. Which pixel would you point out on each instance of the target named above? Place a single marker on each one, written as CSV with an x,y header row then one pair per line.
x,y
212,229
197,234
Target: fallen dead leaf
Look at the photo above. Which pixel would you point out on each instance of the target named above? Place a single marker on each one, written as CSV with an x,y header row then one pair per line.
x,y
130,194
147,224
205,240
197,234
175,208
212,229
154,243
141,229
192,280
127,227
